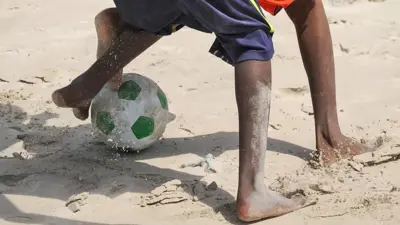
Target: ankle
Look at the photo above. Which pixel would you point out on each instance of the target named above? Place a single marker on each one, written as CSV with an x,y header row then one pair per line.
x,y
251,192
331,135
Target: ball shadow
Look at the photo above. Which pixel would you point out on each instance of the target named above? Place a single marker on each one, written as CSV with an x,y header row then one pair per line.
x,y
71,158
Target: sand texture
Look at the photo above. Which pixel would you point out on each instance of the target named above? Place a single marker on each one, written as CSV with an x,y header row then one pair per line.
x,y
52,171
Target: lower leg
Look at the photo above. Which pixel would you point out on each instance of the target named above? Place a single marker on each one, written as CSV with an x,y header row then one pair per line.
x,y
253,89
126,46
108,23
316,49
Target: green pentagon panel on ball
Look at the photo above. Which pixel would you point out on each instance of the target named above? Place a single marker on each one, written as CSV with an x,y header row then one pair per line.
x,y
163,99
143,127
104,122
129,90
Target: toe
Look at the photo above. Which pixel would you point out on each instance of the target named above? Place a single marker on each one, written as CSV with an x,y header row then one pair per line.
x,y
58,99
81,113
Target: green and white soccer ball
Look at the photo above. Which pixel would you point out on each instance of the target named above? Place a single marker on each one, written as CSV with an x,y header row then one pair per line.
x,y
132,118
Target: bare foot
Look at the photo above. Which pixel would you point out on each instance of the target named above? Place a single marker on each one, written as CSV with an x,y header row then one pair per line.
x,y
79,98
80,110
73,96
81,113
267,204
339,148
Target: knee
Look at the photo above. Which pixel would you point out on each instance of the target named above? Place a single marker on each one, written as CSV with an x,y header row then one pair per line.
x,y
106,17
299,10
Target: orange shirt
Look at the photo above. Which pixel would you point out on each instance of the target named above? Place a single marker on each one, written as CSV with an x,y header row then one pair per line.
x,y
274,6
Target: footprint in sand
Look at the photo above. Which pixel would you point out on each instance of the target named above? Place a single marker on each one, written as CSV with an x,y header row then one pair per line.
x,y
12,180
286,57
387,149
350,2
41,144
394,37
294,91
337,21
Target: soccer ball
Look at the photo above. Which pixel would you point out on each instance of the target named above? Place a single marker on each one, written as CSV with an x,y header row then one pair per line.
x,y
132,118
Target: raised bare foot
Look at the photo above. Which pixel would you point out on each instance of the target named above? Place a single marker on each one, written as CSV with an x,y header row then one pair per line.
x,y
338,148
81,113
78,96
267,204
73,96
61,98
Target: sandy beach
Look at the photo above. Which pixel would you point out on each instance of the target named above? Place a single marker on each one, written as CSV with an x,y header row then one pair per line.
x,y
53,172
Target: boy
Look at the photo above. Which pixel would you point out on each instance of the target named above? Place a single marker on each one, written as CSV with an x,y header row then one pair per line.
x,y
243,40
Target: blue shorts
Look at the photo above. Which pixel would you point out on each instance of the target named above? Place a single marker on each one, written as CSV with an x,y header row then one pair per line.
x,y
242,31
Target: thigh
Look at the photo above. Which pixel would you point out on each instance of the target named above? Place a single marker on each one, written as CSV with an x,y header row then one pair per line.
x,y
242,30
155,16
227,16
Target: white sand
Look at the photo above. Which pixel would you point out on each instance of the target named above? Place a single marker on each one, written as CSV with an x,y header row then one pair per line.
x,y
41,39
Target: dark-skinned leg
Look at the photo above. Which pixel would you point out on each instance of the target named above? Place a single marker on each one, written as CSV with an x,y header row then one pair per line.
x,y
126,46
108,23
253,93
315,44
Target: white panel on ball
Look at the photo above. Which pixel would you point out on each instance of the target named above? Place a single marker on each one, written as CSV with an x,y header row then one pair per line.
x,y
132,118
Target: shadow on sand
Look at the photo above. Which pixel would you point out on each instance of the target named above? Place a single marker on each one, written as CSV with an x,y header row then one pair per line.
x,y
74,160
